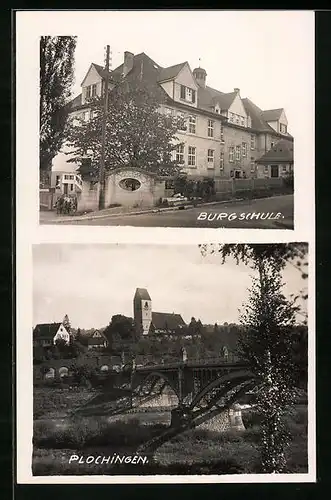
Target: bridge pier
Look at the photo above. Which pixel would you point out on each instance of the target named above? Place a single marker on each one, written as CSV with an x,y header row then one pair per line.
x,y
230,419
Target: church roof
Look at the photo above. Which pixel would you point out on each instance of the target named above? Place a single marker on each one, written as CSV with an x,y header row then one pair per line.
x,y
167,321
142,294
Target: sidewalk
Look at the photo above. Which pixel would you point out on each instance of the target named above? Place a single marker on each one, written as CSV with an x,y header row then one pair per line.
x,y
51,217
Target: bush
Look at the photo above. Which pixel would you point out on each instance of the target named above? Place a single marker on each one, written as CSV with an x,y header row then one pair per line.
x,y
91,432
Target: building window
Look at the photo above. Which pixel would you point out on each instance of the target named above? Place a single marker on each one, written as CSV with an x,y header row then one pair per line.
x,y
191,156
238,153
252,141
252,164
88,93
231,154
222,132
71,187
237,119
222,161
210,128
284,168
94,90
231,117
283,129
57,180
180,153
242,121
272,144
210,158
187,93
181,117
192,124
244,149
266,169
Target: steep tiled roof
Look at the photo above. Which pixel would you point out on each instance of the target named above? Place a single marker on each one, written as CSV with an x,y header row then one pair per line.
x,y
102,72
167,321
99,340
271,115
209,97
282,152
143,66
152,73
256,115
142,294
170,72
76,102
46,330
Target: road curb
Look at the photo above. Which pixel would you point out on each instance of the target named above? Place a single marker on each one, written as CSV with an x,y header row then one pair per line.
x,y
142,212
151,210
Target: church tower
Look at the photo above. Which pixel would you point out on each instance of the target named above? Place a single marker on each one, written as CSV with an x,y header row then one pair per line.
x,y
142,311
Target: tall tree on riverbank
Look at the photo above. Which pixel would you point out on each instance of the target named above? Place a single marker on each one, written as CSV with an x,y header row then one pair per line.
x,y
137,134
269,342
56,79
267,345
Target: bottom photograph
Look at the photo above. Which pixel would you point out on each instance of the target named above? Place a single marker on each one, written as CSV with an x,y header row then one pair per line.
x,y
170,359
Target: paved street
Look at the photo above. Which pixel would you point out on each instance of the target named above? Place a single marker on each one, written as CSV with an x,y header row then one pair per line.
x,y
276,213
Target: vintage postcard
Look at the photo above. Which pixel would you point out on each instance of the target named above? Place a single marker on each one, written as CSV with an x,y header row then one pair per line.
x,y
158,360
165,246
138,128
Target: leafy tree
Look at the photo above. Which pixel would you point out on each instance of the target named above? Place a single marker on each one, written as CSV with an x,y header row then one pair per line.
x,y
137,133
66,323
269,342
120,332
267,345
56,79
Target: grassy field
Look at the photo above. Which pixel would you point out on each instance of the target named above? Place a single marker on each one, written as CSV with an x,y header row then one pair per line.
x,y
198,451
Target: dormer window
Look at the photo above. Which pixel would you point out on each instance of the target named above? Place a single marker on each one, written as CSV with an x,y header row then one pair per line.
x,y
91,91
283,129
187,94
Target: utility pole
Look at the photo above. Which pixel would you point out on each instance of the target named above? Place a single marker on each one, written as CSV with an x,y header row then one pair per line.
x,y
102,180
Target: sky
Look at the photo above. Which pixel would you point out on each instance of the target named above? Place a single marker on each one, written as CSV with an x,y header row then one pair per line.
x,y
91,283
268,55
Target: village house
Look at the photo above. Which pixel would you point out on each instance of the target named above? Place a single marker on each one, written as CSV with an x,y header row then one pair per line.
x,y
225,135
46,334
277,162
96,340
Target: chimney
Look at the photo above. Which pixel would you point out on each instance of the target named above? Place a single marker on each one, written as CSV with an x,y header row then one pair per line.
x,y
200,76
128,62
236,90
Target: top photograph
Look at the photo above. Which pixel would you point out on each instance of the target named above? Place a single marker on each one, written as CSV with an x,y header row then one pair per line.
x,y
193,129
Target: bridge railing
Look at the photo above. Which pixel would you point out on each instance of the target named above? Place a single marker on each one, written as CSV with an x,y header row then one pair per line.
x,y
192,363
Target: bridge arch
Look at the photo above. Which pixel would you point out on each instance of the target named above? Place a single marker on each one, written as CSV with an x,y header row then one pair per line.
x,y
158,376
232,380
